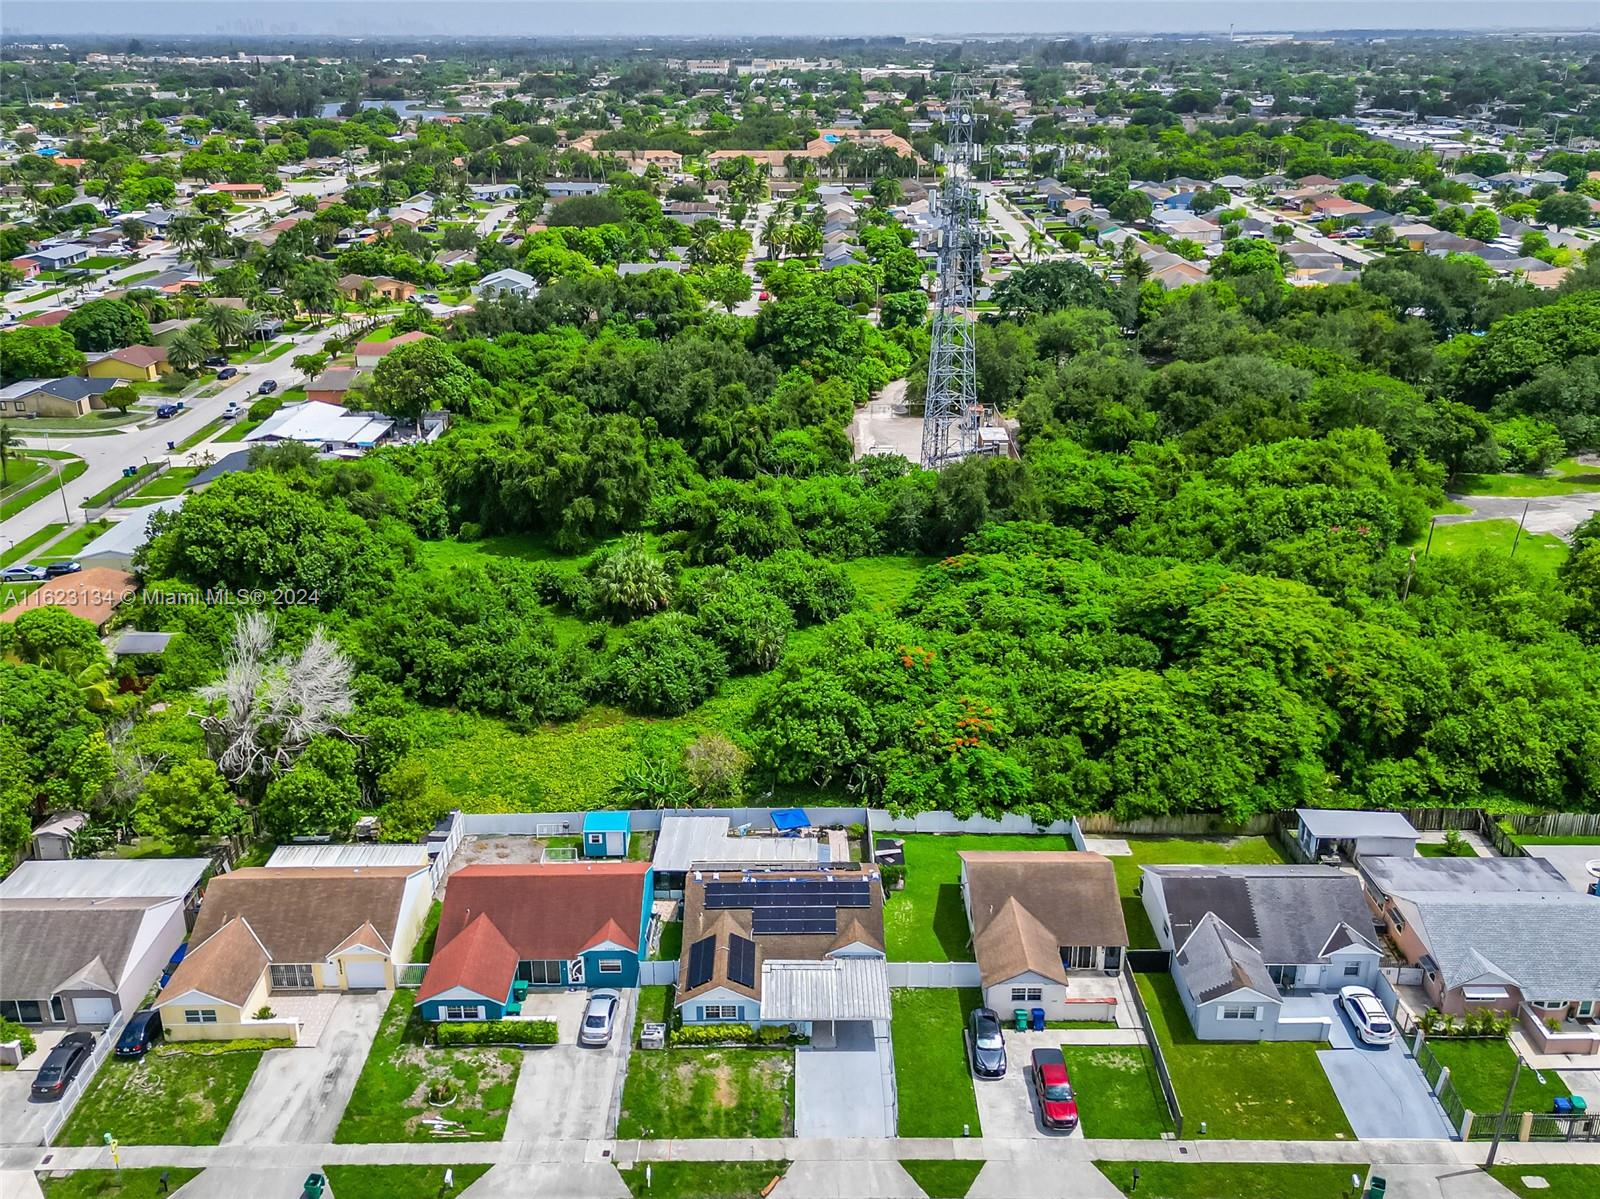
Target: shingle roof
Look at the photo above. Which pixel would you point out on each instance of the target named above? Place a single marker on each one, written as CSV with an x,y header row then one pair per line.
x,y
226,965
1015,943
1463,875
45,943
479,960
1286,912
1217,961
1074,895
301,913
548,911
1549,944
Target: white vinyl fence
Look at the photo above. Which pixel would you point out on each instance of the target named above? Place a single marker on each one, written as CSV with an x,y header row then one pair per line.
x,y
658,974
933,974
75,1089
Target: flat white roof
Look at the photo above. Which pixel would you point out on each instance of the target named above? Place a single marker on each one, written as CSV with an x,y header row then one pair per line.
x,y
1345,823
686,840
316,422
848,988
363,854
112,878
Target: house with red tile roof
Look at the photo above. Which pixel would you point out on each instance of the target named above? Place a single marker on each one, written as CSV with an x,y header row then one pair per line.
x,y
508,929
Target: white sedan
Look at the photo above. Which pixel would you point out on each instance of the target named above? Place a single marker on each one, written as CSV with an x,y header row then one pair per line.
x,y
1370,1017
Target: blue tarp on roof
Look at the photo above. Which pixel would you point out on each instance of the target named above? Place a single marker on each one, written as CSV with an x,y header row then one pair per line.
x,y
789,820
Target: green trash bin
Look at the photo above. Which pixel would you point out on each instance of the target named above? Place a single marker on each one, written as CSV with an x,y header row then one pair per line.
x,y
1580,1105
1376,1186
1020,1016
519,990
314,1187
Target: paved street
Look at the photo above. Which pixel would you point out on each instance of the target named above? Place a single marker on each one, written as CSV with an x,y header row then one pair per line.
x,y
1558,514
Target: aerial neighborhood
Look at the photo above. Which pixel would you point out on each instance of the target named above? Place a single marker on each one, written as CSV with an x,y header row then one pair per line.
x,y
646,612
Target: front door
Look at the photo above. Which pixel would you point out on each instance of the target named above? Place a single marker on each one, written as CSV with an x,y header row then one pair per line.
x,y
1113,959
1284,976
575,972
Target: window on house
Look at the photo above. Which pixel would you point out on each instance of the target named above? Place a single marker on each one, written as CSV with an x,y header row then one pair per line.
x,y
1550,1005
58,1010
720,1011
1398,920
460,1011
1352,969
1239,1011
545,973
293,976
199,1015
597,839
610,965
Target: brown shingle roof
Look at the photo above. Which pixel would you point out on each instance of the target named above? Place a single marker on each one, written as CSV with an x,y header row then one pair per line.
x,y
140,355
301,914
92,594
225,965
1071,895
1014,943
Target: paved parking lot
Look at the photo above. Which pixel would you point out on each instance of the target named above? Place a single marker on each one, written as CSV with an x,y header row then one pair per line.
x,y
298,1095
565,1091
1380,1087
843,1091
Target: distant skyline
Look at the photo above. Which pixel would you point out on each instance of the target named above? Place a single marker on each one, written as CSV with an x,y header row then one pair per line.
x,y
642,20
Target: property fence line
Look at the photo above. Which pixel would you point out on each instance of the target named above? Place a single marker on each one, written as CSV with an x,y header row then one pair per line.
x,y
658,974
409,974
1168,1091
644,820
1195,824
945,822
931,975
76,1088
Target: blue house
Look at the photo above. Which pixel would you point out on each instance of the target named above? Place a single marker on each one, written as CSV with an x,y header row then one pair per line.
x,y
605,835
506,930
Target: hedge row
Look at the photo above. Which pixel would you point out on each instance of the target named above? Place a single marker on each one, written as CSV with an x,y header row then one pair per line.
x,y
731,1034
497,1032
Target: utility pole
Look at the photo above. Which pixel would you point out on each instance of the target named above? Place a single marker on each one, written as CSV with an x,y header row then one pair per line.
x,y
950,411
1505,1109
1515,541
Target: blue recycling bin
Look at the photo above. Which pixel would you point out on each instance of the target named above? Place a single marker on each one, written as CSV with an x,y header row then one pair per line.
x,y
1038,1019
1563,1105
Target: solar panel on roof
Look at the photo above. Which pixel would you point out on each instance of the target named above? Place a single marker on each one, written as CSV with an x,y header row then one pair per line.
x,y
787,922
702,961
742,960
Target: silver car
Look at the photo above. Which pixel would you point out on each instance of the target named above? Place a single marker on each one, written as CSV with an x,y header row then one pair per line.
x,y
599,1018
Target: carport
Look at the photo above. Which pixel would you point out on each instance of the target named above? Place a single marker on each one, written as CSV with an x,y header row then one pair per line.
x,y
843,1080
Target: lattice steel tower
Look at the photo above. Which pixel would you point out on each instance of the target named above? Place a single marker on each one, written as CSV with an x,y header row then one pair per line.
x,y
951,414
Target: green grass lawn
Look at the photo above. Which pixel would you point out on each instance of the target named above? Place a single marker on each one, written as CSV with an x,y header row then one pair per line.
x,y
106,494
390,1098
925,922
168,484
1171,851
102,1184
1555,840
20,551
1119,1094
1481,1070
1544,551
885,582
238,430
171,1096
708,1093
930,1061
1570,477
1266,1090
20,473
1435,849
671,947
200,434
655,1006
78,538
1564,1182
42,489
943,1179
1232,1180
15,593
422,951
274,351
397,1182
136,277
699,1180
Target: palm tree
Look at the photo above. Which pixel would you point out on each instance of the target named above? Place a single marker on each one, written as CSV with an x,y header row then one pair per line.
x,y
8,450
225,323
188,349
184,233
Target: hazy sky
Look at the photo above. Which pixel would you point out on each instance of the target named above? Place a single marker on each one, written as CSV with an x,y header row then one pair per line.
x,y
645,19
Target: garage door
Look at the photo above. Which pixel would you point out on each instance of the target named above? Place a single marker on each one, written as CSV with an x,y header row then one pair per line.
x,y
359,976
93,1011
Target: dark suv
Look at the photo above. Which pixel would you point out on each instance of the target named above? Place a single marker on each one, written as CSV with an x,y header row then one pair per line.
x,y
62,1066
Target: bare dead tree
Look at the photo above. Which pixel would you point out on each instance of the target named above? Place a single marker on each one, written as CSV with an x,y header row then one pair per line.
x,y
268,707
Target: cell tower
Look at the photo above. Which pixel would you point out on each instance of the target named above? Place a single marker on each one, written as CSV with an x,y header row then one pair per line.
x,y
951,414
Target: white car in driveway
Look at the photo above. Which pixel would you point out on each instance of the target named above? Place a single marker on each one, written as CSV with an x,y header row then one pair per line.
x,y
1371,1019
599,1018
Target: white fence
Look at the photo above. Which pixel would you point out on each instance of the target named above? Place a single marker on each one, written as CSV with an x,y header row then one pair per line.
x,y
658,974
945,822
75,1089
446,848
409,974
933,974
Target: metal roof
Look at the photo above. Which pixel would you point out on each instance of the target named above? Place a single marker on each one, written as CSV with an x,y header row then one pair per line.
x,y
363,854
111,878
315,422
128,534
846,988
136,642
686,840
1339,823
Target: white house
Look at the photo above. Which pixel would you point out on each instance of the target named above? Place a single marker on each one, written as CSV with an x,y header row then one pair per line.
x,y
1332,832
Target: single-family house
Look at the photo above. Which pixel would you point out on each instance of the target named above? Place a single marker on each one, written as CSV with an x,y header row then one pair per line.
x,y
506,929
1337,833
115,548
508,279
82,941
1046,930
69,396
324,427
91,594
779,945
60,257
605,834
143,364
243,191
1243,938
331,386
370,353
267,930
379,287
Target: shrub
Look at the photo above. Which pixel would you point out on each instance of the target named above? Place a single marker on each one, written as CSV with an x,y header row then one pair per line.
x,y
10,1030
263,408
497,1032
700,1035
264,1013
664,667
893,877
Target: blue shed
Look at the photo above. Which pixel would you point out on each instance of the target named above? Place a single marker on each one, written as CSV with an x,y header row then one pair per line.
x,y
605,835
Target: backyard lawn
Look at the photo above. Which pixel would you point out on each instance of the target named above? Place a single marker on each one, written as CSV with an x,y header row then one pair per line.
x,y
1119,1094
699,1180
1481,1070
397,1182
671,945
77,539
103,1184
943,1179
1436,849
391,1096
1558,1182
708,1093
925,921
1210,1180
930,1061
176,1095
1243,1090
1544,551
1176,851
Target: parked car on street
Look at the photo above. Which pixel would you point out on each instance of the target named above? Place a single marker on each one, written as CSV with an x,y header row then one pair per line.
x,y
227,372
231,409
142,1034
23,574
1370,1017
63,1064
56,569
988,1043
268,386
1058,1106
166,411
217,360
599,1018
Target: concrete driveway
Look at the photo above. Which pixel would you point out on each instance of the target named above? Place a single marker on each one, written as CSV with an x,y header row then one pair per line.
x,y
566,1180
819,1179
1380,1087
298,1095
1008,1107
845,1091
567,1092
21,1120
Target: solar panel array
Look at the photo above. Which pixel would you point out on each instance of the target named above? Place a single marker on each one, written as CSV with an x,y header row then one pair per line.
x,y
776,922
741,960
824,891
702,961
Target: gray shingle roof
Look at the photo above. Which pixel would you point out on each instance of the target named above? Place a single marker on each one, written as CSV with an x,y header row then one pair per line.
x,y
1286,912
1548,944
49,942
1217,961
1463,875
